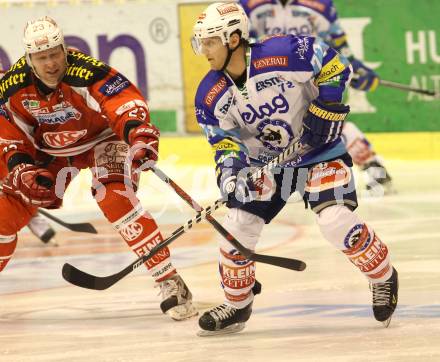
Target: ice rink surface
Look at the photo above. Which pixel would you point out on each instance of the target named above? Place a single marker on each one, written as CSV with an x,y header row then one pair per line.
x,y
320,314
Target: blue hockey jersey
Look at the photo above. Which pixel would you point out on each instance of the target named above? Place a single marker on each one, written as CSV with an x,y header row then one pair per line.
x,y
260,119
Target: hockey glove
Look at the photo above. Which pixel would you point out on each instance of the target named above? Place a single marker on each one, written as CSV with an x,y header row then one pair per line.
x,y
144,142
232,180
323,123
364,78
34,185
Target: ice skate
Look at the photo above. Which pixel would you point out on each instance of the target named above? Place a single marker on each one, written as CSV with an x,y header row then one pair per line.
x,y
379,181
177,299
385,297
226,319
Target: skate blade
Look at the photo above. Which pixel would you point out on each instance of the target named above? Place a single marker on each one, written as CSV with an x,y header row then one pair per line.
x,y
387,322
233,328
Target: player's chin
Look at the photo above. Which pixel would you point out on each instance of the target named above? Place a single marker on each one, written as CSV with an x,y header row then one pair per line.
x,y
213,64
52,78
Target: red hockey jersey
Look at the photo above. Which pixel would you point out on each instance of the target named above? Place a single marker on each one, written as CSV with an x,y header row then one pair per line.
x,y
93,102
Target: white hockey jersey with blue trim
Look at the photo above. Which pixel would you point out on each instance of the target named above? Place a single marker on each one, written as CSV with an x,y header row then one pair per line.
x,y
284,74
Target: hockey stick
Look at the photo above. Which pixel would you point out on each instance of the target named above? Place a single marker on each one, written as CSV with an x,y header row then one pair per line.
x,y
287,263
404,87
85,280
408,88
82,227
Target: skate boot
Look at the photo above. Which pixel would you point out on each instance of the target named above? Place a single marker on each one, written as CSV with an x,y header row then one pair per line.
x,y
385,298
226,319
378,179
42,230
176,299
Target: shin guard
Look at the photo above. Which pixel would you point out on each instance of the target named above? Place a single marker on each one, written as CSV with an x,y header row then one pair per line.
x,y
345,230
136,226
238,273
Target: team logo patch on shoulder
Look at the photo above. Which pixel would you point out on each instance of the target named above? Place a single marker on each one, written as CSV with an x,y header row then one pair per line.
x,y
303,47
275,61
215,91
115,85
331,69
63,139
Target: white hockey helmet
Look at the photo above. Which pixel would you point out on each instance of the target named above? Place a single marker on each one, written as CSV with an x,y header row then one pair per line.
x,y
42,34
220,19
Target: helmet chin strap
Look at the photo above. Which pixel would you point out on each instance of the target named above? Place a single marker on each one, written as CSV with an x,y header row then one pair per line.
x,y
228,57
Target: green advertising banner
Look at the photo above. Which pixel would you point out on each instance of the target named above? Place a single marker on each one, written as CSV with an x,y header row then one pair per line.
x,y
400,40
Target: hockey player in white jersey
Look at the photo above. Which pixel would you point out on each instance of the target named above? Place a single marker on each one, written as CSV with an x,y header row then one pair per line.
x,y
319,18
252,104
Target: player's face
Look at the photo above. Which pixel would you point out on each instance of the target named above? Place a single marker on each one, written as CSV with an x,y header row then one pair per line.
x,y
50,65
214,50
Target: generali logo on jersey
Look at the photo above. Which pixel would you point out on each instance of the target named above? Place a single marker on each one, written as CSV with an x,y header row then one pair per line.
x,y
276,61
215,91
227,8
63,139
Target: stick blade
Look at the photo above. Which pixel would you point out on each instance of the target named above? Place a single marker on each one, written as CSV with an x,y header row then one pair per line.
x,y
83,228
84,280
292,264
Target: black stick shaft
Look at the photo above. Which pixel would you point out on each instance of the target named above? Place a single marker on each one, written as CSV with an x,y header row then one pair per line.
x,y
288,263
83,227
408,88
86,280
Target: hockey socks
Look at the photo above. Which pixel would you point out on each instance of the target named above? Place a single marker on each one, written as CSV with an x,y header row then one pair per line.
x,y
137,227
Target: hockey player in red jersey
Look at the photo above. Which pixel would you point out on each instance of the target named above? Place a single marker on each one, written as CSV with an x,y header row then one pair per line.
x,y
38,225
63,111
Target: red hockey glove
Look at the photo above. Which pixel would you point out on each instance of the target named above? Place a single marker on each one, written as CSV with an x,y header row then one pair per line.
x,y
34,185
144,142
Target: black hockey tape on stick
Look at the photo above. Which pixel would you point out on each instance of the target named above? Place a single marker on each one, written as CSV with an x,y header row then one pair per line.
x,y
82,279
287,263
